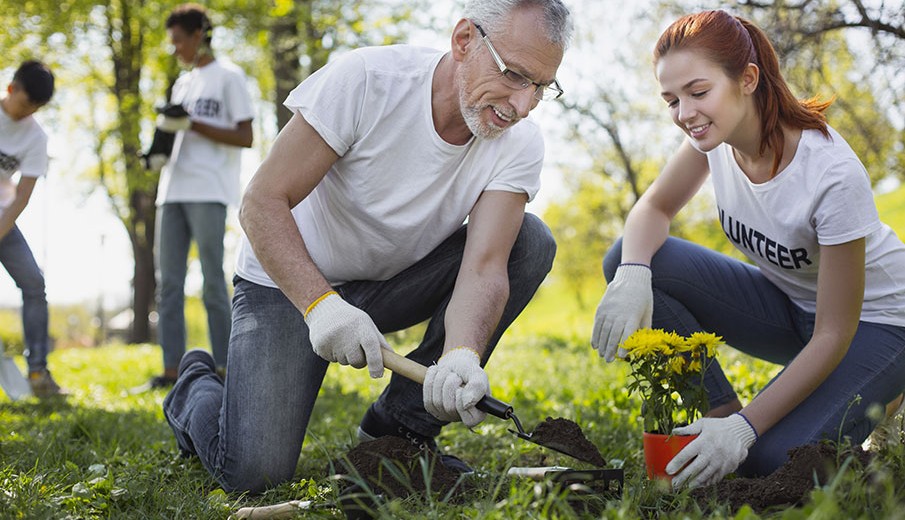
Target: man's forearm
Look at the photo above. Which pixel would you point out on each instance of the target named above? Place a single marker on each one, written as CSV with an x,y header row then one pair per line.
x,y
475,309
240,136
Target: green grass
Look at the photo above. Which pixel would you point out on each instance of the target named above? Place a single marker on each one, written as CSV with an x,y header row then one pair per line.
x,y
105,453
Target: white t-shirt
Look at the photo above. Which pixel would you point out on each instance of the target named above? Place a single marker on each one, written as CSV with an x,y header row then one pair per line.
x,y
823,197
398,189
23,149
201,169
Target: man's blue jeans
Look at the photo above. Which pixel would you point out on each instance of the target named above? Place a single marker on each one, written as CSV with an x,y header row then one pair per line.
x,y
178,223
248,433
17,258
697,289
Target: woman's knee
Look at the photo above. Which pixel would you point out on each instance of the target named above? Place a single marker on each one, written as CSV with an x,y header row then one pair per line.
x,y
612,259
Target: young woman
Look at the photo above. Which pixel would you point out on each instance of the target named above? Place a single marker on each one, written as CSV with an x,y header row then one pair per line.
x,y
824,292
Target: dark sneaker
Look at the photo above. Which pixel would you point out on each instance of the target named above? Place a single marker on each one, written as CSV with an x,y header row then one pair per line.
x,y
43,385
374,426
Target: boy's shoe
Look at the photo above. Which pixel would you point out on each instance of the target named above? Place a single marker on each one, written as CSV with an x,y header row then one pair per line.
x,y
374,426
889,432
43,385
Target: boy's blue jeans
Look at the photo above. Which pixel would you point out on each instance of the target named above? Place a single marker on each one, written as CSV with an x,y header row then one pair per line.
x,y
17,258
697,289
248,432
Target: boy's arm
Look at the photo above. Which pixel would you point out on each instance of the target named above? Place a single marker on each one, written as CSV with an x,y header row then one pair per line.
x,y
241,135
9,215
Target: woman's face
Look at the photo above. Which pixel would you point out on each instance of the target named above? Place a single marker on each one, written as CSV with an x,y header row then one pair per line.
x,y
709,106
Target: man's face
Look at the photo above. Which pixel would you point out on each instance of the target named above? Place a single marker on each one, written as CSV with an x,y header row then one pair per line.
x,y
17,104
185,44
489,105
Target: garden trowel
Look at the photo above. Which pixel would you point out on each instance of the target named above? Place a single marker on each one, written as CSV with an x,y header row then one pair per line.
x,y
12,381
414,371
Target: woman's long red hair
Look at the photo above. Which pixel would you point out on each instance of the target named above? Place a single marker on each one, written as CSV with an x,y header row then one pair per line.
x,y
733,43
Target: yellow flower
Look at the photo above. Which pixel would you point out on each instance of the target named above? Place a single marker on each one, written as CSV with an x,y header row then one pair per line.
x,y
694,366
705,340
676,364
646,342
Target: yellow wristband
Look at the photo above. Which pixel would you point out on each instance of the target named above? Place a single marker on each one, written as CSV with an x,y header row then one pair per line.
x,y
462,347
315,302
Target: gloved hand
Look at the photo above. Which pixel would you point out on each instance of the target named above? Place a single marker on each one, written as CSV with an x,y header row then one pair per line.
x,y
722,445
345,334
626,306
454,386
173,124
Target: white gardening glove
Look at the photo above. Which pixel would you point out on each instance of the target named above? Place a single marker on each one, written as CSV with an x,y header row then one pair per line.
x,y
173,124
345,334
721,446
626,306
454,386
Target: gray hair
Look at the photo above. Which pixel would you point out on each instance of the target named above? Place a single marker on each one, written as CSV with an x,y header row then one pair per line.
x,y
493,15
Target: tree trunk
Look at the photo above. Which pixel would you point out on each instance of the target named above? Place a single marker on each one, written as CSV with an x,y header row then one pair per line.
x,y
286,45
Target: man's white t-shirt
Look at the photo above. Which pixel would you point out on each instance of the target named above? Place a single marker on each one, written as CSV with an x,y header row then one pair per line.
x,y
823,197
201,169
398,189
23,149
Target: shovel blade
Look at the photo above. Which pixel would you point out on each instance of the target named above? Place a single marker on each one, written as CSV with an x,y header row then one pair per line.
x,y
12,381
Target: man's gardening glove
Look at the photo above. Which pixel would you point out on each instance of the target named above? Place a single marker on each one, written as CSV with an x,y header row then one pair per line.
x,y
721,446
345,334
173,118
626,306
454,386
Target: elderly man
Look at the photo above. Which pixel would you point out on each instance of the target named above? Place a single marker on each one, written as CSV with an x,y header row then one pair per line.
x,y
355,226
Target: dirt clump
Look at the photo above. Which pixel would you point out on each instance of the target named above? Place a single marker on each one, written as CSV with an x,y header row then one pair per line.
x,y
566,436
392,466
787,486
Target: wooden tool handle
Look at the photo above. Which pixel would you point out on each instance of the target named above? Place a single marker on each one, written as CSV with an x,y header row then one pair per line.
x,y
415,371
284,510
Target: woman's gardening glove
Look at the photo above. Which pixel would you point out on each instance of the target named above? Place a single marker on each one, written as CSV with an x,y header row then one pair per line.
x,y
627,306
345,334
721,446
454,386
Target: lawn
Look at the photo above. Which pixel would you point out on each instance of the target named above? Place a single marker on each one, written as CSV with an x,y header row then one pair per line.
x,y
106,453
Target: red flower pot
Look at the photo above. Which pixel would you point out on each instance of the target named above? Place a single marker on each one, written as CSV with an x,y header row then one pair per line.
x,y
659,449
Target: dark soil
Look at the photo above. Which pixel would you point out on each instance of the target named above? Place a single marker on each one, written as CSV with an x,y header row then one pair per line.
x,y
566,437
392,467
787,486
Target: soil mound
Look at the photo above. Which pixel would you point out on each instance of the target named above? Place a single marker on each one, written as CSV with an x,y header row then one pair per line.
x,y
788,485
566,436
392,466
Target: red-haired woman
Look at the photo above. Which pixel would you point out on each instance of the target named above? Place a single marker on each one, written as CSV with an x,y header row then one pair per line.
x,y
824,292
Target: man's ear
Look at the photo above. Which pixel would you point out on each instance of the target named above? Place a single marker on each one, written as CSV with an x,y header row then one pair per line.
x,y
462,35
750,78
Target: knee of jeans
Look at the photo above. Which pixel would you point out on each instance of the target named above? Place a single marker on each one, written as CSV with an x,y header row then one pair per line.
x,y
254,477
764,458
535,243
611,260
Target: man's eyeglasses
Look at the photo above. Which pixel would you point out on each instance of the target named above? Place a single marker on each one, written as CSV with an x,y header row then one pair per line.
x,y
516,81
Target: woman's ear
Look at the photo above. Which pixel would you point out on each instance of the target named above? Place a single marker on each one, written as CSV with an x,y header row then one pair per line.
x,y
462,35
750,78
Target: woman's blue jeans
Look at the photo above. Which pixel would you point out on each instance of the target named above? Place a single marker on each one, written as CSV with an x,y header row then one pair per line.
x,y
17,258
248,432
697,289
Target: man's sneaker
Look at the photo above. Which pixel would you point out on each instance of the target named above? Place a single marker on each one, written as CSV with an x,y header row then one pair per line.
x,y
374,426
889,432
43,385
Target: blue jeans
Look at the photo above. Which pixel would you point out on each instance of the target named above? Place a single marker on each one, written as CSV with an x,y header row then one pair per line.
x,y
17,258
248,432
697,289
178,223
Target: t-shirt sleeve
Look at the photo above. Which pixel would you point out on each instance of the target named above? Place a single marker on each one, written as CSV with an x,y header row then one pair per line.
x,y
522,174
34,161
238,100
845,209
331,100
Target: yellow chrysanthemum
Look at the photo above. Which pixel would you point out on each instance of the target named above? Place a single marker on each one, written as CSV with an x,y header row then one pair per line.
x,y
645,342
694,366
676,364
699,341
